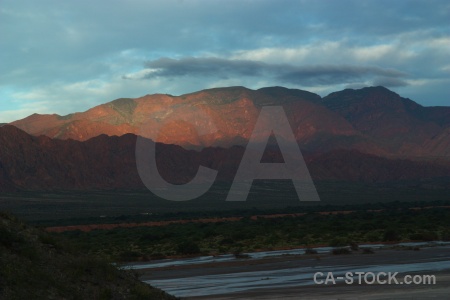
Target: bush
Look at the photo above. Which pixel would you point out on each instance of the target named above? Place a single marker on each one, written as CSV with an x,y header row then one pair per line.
x,y
446,235
50,240
240,255
310,251
7,238
188,247
424,236
339,251
354,246
129,255
157,255
226,241
373,236
338,242
391,235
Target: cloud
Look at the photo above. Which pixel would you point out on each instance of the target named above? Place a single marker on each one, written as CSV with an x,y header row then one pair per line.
x,y
76,54
357,85
204,66
65,98
311,75
335,74
389,82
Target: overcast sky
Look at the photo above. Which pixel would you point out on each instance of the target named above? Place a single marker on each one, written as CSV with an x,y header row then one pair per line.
x,y
64,56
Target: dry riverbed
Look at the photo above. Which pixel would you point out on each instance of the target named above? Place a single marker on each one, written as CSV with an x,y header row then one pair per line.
x,y
291,276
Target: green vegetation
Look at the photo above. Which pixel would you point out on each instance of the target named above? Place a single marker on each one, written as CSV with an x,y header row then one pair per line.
x,y
338,230
37,265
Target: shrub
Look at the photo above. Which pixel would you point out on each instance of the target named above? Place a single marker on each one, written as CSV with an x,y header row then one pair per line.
x,y
339,251
7,238
129,255
310,251
446,235
226,241
373,236
354,246
391,235
157,255
424,236
188,247
238,254
338,242
50,240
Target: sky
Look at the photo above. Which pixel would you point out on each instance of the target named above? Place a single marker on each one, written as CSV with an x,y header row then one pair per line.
x,y
60,56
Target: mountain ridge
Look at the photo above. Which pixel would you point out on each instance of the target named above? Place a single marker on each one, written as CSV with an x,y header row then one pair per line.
x,y
372,120
107,163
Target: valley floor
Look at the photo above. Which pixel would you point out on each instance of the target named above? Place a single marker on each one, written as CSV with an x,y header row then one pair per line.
x,y
291,277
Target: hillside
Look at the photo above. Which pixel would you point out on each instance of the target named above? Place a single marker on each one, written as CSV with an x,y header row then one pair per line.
x,y
36,265
397,124
232,112
371,120
106,163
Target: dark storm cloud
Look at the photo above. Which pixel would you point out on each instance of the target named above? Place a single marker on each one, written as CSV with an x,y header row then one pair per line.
x,y
305,75
389,82
207,66
335,74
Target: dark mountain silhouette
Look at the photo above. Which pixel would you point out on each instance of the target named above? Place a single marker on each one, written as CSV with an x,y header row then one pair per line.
x,y
397,124
103,162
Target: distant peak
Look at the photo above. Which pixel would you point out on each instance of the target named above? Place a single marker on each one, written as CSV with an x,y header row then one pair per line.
x,y
220,95
378,88
65,117
122,101
229,88
279,91
275,88
124,106
362,91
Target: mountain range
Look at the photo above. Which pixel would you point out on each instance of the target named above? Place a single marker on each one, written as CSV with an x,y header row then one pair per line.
x,y
366,135
371,120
